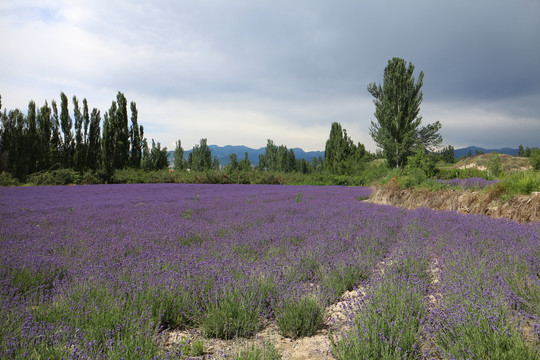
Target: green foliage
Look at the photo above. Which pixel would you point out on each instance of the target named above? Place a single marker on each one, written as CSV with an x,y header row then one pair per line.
x,y
494,166
422,162
300,317
55,177
298,197
232,316
7,180
179,162
136,134
451,173
397,105
341,155
266,351
521,183
200,159
535,159
155,159
191,347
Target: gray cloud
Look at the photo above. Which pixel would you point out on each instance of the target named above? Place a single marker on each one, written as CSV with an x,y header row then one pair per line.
x,y
266,61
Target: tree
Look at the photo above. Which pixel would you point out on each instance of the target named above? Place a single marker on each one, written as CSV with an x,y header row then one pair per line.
x,y
44,133
233,162
269,161
397,105
521,151
494,165
135,132
179,163
93,156
66,124
79,141
121,133
158,157
535,158
245,164
341,155
201,157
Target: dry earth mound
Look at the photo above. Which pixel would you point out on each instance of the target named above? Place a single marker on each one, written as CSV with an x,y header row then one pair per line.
x,y
522,208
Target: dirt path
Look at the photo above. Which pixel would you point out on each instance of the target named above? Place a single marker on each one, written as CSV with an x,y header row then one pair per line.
x,y
315,347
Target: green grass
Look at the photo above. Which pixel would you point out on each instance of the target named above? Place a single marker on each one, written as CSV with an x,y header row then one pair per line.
x,y
235,315
266,351
300,317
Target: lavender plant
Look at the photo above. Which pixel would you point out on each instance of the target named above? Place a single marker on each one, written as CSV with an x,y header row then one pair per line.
x,y
103,271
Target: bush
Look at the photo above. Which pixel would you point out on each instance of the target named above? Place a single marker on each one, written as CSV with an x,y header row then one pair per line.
x,y
6,179
54,177
231,317
535,159
253,352
298,318
421,162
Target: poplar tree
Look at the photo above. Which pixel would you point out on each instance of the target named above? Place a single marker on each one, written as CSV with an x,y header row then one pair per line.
x,y
31,140
397,105
56,139
201,157
93,155
66,124
86,123
79,152
135,155
44,134
121,133
179,163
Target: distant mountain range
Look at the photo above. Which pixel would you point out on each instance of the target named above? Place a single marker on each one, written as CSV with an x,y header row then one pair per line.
x,y
222,153
459,153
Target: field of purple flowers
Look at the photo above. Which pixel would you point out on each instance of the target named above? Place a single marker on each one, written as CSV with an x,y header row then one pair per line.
x,y
99,272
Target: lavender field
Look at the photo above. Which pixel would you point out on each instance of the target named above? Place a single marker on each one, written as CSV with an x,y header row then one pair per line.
x,y
102,272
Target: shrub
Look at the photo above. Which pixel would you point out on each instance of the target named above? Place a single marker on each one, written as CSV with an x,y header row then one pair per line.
x,y
298,318
254,352
6,179
232,316
535,159
54,177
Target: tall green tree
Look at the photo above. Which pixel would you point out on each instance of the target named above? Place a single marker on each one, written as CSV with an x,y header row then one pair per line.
x,y
135,155
67,124
158,157
44,134
201,157
233,163
86,124
341,155
93,155
397,105
79,140
56,138
31,139
179,162
245,164
121,133
269,160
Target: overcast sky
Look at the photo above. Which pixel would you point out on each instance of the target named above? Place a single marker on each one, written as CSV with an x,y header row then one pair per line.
x,y
242,72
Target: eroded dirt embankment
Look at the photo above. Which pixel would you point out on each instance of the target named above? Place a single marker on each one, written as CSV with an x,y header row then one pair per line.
x,y
522,208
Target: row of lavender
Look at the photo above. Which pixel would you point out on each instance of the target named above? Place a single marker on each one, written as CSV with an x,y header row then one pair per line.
x,y
99,271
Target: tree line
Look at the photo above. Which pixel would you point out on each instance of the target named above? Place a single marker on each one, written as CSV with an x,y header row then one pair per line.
x,y
50,137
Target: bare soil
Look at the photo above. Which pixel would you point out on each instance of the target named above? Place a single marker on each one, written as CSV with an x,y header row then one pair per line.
x,y
521,208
